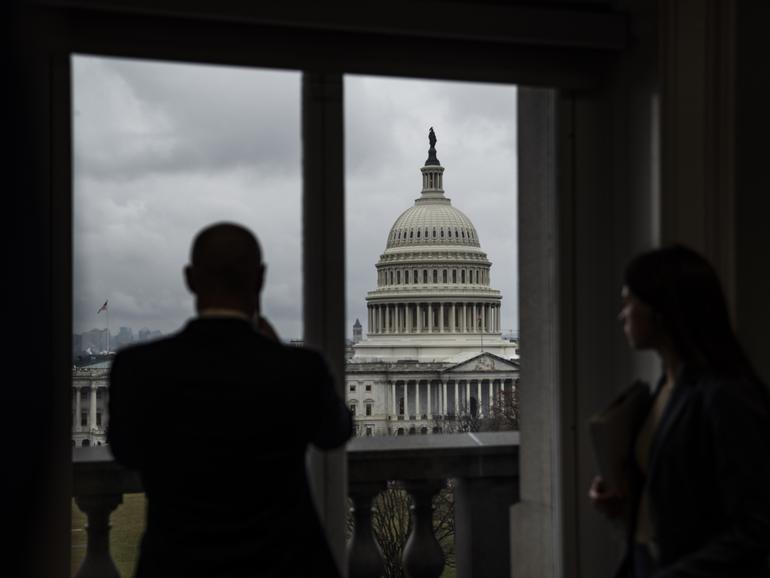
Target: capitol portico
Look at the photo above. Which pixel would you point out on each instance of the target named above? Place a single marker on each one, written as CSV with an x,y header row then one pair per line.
x,y
434,348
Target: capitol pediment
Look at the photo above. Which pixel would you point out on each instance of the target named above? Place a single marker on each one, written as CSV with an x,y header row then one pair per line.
x,y
483,361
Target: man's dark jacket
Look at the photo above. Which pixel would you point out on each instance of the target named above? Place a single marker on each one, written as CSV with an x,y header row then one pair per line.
x,y
217,420
708,480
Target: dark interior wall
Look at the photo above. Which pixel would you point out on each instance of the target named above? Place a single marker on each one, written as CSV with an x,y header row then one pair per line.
x,y
752,201
32,504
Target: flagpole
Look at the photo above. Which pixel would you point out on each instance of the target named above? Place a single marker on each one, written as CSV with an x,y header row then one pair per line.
x,y
108,330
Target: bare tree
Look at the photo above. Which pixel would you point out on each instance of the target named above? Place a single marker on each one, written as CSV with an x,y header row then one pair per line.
x,y
392,523
504,413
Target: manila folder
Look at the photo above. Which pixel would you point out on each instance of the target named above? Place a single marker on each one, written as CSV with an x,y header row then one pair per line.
x,y
613,431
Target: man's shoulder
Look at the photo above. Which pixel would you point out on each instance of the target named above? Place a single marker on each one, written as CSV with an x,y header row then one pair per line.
x,y
139,351
297,355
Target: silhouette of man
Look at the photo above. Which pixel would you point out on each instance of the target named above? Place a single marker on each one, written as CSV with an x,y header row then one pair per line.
x,y
217,420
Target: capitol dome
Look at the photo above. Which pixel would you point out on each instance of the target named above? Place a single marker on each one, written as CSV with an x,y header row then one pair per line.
x,y
432,222
433,298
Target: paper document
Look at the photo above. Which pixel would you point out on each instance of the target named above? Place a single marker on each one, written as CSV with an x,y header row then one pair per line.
x,y
613,431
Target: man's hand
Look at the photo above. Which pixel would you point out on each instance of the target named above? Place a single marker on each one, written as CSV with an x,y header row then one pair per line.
x,y
609,502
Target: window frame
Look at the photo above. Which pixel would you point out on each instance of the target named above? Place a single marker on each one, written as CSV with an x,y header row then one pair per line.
x,y
238,35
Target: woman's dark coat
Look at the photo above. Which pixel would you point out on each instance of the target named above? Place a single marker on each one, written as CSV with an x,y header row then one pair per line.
x,y
709,480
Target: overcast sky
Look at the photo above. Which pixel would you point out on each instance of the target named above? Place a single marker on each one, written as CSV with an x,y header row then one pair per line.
x,y
161,150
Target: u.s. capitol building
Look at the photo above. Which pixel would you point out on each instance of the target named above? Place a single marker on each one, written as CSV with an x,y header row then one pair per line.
x,y
433,350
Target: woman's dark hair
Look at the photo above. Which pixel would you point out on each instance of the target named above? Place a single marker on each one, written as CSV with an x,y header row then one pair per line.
x,y
684,290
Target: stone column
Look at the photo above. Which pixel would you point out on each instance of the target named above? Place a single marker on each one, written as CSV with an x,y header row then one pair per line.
x,y
491,396
452,318
406,399
394,402
464,325
445,409
417,413
418,311
441,317
408,317
77,409
430,406
92,417
387,318
478,397
467,395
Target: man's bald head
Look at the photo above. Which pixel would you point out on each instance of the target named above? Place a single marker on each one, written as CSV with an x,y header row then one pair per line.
x,y
225,268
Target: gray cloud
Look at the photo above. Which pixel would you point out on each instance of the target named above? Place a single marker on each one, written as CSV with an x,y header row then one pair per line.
x,y
137,118
162,150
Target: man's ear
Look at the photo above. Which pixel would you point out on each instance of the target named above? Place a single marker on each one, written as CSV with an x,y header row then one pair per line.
x,y
189,279
261,272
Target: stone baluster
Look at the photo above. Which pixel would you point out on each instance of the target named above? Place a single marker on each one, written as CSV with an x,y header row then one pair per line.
x,y
98,562
365,559
423,556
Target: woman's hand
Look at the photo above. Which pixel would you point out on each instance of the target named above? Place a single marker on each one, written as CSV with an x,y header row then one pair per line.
x,y
609,502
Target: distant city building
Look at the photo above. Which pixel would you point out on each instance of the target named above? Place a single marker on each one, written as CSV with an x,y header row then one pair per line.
x,y
434,351
124,337
357,331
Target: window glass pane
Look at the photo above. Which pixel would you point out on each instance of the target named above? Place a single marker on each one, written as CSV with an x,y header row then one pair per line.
x,y
425,200
162,150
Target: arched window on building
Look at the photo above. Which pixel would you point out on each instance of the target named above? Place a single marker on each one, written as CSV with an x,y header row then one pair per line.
x,y
435,276
398,277
416,276
462,276
424,275
400,431
444,276
406,277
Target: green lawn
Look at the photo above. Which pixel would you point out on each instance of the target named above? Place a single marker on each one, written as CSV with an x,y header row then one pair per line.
x,y
127,523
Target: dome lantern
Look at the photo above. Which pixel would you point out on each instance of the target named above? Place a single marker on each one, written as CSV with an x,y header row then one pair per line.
x,y
432,172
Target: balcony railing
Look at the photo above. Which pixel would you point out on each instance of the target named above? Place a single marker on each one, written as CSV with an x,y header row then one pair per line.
x,y
484,467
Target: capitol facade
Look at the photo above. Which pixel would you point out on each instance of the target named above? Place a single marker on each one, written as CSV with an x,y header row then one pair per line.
x,y
433,351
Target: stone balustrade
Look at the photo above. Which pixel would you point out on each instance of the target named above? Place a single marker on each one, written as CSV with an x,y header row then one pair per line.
x,y
483,465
